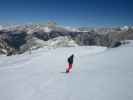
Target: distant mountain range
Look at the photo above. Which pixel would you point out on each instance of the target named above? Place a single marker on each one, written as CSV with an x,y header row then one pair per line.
x,y
46,28
16,39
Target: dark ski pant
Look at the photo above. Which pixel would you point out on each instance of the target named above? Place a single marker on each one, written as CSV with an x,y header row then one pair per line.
x,y
69,68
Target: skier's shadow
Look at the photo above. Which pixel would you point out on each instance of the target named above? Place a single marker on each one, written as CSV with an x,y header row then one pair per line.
x,y
63,72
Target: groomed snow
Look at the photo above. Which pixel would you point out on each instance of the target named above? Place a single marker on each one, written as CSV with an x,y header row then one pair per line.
x,y
98,74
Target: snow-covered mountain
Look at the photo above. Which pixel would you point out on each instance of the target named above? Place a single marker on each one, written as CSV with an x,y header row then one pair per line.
x,y
124,28
53,43
30,28
98,74
60,42
1,27
16,39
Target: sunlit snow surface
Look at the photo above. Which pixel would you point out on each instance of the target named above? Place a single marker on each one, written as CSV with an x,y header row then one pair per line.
x,y
98,74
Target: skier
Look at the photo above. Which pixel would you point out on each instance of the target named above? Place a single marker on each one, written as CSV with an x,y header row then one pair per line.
x,y
70,63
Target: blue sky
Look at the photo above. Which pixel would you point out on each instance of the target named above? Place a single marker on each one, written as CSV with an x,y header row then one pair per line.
x,y
91,13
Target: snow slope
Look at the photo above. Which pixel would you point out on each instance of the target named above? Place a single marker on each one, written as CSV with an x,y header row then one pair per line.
x,y
98,74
